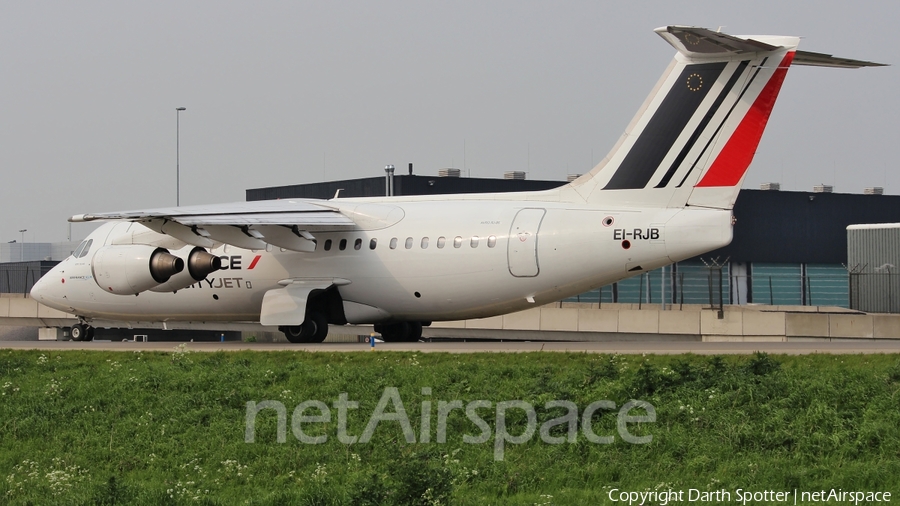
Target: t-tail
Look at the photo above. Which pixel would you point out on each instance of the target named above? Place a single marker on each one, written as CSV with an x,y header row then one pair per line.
x,y
692,140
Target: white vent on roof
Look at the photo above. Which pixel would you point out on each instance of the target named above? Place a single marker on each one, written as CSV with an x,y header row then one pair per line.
x,y
514,174
823,188
770,186
874,190
448,173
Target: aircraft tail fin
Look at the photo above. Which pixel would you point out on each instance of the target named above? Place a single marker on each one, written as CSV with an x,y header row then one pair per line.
x,y
691,142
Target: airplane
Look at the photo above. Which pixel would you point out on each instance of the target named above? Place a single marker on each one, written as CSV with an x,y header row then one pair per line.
x,y
663,194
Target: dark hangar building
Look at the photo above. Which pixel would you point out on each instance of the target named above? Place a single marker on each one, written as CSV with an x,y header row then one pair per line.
x,y
789,247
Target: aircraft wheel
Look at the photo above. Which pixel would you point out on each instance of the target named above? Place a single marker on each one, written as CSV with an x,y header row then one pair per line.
x,y
89,333
395,332
313,330
78,332
415,332
293,333
321,324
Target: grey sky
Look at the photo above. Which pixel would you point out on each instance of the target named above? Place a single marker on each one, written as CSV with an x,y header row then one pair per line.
x,y
291,92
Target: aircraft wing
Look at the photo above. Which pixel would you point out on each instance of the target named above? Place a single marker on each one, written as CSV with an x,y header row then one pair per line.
x,y
277,212
252,225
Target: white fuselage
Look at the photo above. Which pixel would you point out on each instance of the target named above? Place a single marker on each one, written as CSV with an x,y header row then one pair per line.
x,y
526,253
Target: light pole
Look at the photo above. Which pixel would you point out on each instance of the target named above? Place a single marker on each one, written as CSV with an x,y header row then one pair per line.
x,y
178,155
22,246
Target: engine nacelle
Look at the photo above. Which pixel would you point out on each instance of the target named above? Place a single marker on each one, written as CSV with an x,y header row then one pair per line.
x,y
131,269
199,265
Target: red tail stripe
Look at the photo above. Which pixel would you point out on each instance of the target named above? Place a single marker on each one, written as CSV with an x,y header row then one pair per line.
x,y
253,263
732,162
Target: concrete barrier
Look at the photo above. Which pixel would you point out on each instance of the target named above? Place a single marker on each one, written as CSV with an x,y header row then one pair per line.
x,y
679,322
806,325
639,321
886,326
851,325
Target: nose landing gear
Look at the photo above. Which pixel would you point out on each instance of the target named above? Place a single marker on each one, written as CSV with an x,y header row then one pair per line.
x,y
81,332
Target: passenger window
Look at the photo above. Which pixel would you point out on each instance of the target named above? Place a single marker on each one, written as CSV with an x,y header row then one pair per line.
x,y
474,242
357,244
492,241
409,242
393,243
343,244
327,244
457,241
441,242
424,243
87,247
372,243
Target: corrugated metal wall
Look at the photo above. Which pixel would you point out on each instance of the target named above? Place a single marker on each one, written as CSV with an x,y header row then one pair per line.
x,y
873,256
776,283
827,285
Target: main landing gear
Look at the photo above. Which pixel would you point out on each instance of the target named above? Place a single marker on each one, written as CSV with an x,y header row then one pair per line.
x,y
313,330
400,332
81,332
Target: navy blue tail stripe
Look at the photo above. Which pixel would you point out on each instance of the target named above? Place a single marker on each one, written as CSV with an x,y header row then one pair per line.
x,y
725,119
667,123
703,123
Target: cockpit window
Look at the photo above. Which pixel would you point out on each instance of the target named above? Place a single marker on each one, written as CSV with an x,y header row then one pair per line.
x,y
78,249
87,247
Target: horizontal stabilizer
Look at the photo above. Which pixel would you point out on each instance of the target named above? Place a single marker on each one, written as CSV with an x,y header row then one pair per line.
x,y
698,42
827,60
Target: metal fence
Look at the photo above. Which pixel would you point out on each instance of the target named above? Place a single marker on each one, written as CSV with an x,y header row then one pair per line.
x,y
716,286
20,277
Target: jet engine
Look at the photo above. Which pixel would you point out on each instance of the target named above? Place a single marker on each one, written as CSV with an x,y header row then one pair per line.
x,y
199,263
131,269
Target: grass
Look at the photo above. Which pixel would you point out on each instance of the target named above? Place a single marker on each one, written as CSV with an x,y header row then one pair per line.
x,y
169,428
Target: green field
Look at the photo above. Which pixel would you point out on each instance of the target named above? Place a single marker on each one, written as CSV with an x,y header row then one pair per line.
x,y
170,428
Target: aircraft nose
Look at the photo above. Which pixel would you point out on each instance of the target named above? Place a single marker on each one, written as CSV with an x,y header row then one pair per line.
x,y
48,287
40,288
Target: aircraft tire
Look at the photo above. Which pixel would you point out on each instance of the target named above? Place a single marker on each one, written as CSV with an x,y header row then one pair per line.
x,y
313,330
321,324
89,333
415,332
78,332
395,332
294,333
